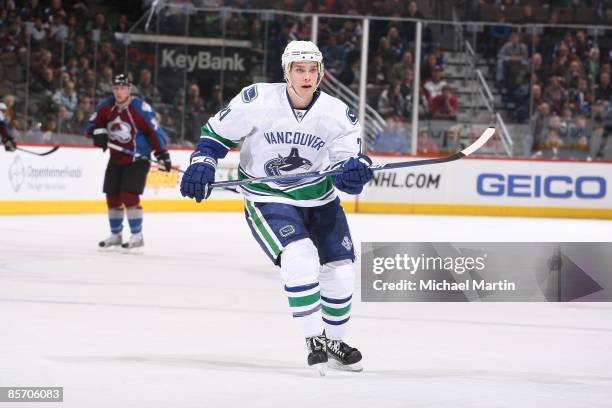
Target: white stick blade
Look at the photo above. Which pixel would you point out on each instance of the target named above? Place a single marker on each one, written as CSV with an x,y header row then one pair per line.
x,y
481,141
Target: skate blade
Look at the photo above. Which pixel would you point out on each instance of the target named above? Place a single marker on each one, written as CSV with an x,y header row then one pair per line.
x,y
132,251
333,364
321,368
111,248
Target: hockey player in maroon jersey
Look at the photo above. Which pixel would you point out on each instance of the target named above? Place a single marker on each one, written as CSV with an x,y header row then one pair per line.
x,y
7,139
130,123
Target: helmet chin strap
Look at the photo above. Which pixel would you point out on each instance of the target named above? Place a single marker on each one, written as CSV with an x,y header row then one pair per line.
x,y
291,87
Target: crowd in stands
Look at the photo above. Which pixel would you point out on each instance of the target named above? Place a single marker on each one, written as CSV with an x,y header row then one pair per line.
x,y
557,82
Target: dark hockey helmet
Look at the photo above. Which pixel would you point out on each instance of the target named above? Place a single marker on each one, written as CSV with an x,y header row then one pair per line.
x,y
121,79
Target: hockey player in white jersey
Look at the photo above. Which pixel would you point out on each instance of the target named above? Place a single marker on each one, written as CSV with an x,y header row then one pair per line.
x,y
290,128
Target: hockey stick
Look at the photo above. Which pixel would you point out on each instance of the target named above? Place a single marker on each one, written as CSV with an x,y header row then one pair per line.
x,y
136,154
53,149
481,141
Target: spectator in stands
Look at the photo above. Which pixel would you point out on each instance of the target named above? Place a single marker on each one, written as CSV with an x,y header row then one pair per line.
x,y
44,85
426,144
406,89
574,72
540,124
55,11
74,28
236,26
105,84
146,89
194,111
579,137
433,86
536,97
106,55
86,105
562,60
215,102
334,55
87,86
30,10
377,72
567,122
386,52
122,24
445,106
78,123
72,68
43,59
79,49
393,138
431,63
67,98
592,65
349,35
555,94
100,23
38,33
603,90
64,121
398,69
390,101
552,143
395,42
582,45
194,104
511,56
527,16
581,98
538,69
497,35
409,28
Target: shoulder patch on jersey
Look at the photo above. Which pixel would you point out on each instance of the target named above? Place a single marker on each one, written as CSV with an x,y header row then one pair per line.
x,y
146,107
249,94
351,116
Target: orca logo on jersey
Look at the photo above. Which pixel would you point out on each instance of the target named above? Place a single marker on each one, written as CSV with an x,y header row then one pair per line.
x,y
283,165
351,116
119,130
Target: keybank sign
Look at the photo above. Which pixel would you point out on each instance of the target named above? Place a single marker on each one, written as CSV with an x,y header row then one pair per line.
x,y
531,186
203,60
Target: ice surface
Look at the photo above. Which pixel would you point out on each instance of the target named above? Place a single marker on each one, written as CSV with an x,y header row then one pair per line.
x,y
200,320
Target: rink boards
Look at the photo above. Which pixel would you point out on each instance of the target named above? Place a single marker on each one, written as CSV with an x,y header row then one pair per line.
x,y
70,181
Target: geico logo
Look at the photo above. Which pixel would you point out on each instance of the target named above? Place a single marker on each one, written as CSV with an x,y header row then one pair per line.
x,y
202,60
525,185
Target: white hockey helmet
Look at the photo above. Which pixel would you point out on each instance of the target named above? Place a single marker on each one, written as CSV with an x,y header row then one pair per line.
x,y
302,51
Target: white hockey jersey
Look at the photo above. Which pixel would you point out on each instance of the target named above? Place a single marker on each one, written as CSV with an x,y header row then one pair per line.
x,y
278,139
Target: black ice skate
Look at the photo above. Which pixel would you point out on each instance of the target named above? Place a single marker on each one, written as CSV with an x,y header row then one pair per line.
x,y
135,243
317,354
114,240
342,356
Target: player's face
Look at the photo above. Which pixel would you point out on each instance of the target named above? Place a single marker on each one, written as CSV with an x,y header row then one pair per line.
x,y
121,93
303,77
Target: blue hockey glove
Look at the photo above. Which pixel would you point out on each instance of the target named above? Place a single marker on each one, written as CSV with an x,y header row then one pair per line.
x,y
199,174
356,173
